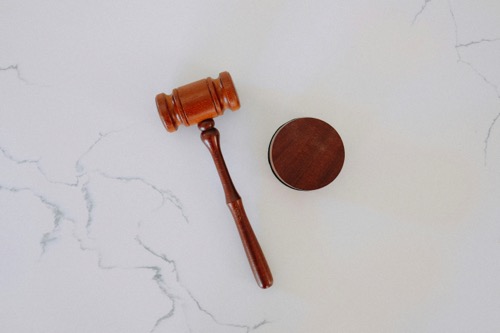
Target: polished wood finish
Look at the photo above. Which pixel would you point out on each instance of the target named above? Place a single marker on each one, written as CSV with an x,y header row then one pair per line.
x,y
306,154
194,102
260,268
198,103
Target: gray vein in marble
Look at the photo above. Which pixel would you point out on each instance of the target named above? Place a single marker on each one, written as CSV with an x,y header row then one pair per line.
x,y
165,194
89,202
475,42
262,323
100,260
246,327
420,11
198,305
161,256
36,162
479,73
162,319
486,140
49,237
78,164
18,72
15,160
158,278
161,281
58,215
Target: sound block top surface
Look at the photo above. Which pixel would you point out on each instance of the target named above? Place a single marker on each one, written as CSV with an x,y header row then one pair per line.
x,y
306,154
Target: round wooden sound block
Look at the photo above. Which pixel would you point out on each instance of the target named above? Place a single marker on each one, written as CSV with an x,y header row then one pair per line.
x,y
306,154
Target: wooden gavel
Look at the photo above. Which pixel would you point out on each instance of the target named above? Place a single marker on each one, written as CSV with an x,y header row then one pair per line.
x,y
197,103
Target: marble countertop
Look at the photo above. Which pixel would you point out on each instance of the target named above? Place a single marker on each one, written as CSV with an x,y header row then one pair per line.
x,y
110,224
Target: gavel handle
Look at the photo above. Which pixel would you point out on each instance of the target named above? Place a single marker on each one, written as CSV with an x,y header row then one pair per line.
x,y
210,137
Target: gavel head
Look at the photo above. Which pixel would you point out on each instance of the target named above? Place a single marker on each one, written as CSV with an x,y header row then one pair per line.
x,y
197,101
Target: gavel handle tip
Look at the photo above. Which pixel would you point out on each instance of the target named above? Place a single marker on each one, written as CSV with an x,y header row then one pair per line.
x,y
256,258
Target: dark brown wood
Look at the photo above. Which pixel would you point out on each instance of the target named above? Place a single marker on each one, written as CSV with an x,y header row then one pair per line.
x,y
198,103
306,154
211,138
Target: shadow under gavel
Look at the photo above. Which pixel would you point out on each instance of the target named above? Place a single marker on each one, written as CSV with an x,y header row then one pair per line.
x,y
198,103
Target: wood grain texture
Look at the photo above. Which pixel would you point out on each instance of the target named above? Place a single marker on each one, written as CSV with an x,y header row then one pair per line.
x,y
197,103
258,263
306,154
194,102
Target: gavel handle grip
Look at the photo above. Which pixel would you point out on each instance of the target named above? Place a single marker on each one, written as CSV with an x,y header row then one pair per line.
x,y
260,268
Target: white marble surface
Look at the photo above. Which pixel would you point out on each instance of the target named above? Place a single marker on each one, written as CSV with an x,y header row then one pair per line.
x,y
110,224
